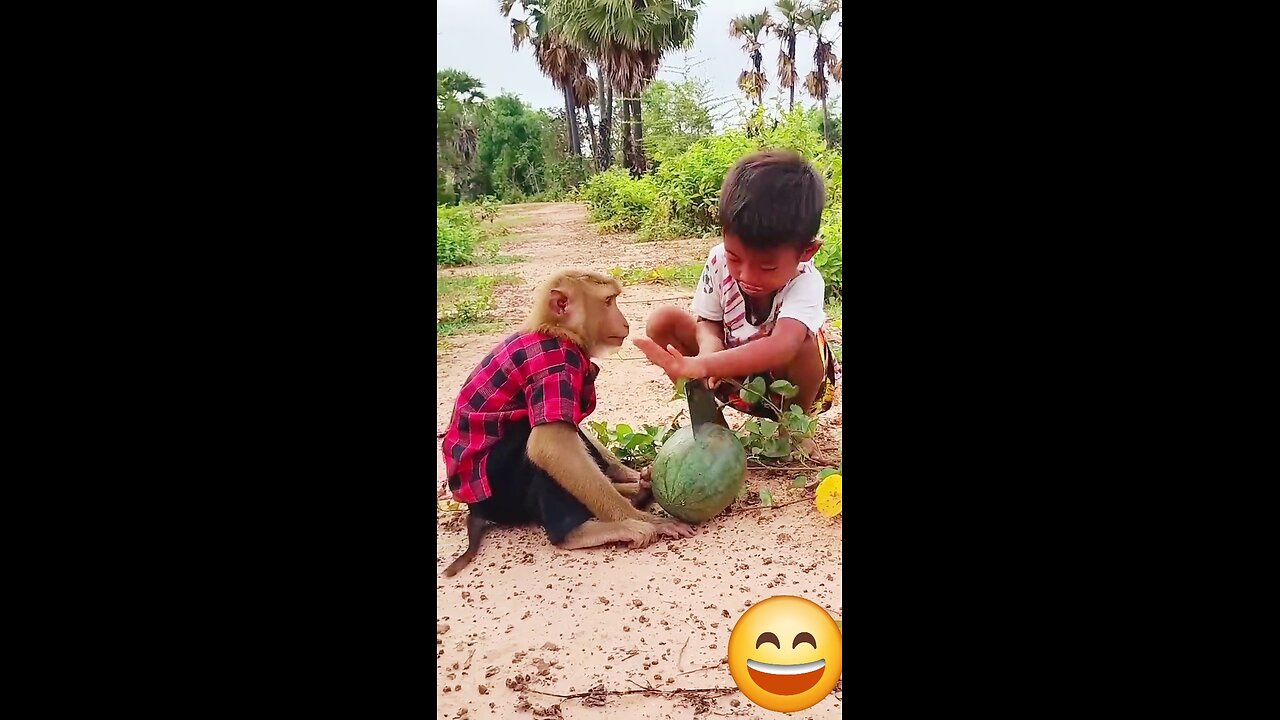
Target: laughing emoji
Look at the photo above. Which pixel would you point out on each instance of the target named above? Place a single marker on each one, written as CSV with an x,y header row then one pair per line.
x,y
785,654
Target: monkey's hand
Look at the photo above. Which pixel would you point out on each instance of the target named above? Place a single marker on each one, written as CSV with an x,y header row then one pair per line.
x,y
670,359
639,534
623,474
641,491
673,528
557,449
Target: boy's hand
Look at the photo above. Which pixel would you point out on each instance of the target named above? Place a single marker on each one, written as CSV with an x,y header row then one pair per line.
x,y
671,361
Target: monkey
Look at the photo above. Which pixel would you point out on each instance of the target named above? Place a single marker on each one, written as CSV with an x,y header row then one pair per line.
x,y
514,452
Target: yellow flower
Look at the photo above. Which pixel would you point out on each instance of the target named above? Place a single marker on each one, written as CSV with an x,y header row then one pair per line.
x,y
830,496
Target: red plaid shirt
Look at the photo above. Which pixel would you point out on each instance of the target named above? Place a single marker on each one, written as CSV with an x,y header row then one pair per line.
x,y
529,377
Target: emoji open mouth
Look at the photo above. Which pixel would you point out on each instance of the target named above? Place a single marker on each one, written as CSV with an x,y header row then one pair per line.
x,y
786,679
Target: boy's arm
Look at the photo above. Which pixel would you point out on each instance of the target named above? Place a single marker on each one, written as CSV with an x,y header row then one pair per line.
x,y
710,336
761,355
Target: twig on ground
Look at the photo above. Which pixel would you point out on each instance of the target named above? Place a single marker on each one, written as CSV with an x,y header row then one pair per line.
x,y
768,507
758,464
709,667
678,297
637,652
597,691
680,659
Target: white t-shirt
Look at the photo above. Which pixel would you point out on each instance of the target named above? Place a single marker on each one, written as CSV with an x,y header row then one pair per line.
x,y
717,297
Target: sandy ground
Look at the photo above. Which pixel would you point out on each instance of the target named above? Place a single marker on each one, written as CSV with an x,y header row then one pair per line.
x,y
526,618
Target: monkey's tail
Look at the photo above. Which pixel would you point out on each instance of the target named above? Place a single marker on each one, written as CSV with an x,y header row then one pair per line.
x,y
476,528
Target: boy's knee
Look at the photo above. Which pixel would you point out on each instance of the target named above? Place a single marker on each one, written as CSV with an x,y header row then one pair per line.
x,y
662,320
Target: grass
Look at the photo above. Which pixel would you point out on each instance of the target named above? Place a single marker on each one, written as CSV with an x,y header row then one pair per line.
x,y
451,286
507,259
447,329
680,276
464,303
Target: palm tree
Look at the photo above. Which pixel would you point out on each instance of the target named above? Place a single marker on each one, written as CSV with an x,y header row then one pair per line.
x,y
749,27
786,30
812,20
458,95
628,38
604,156
559,60
564,64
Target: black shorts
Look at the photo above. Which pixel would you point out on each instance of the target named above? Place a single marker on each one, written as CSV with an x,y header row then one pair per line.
x,y
523,493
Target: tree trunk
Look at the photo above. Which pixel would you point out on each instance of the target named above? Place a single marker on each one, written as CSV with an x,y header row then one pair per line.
x,y
791,52
642,161
605,154
607,132
591,131
757,58
628,159
826,123
571,119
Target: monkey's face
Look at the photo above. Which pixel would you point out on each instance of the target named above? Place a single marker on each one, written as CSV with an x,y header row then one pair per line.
x,y
606,319
582,306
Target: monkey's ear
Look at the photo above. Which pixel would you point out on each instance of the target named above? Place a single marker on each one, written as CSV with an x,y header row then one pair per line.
x,y
559,302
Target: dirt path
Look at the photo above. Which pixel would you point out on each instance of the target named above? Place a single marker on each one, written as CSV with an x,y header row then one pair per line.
x,y
574,620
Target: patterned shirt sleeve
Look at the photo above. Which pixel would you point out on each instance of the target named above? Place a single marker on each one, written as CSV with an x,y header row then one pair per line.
x,y
802,300
707,302
555,394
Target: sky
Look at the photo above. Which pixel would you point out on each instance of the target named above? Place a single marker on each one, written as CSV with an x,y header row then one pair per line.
x,y
473,36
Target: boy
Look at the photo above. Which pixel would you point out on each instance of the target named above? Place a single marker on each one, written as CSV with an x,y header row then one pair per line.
x,y
758,307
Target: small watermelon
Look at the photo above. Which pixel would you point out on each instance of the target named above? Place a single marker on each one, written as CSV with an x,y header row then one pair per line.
x,y
697,475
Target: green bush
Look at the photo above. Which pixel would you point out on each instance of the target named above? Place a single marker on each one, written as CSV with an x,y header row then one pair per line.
x,y
444,192
618,202
829,258
457,234
682,197
688,187
689,184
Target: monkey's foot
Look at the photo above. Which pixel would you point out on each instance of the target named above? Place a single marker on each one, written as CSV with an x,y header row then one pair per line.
x,y
636,533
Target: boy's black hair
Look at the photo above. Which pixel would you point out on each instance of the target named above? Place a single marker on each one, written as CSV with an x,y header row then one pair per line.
x,y
772,198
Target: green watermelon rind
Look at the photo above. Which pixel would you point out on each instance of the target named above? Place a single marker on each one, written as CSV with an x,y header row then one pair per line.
x,y
687,461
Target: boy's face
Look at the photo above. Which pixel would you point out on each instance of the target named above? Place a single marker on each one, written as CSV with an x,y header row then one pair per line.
x,y
760,273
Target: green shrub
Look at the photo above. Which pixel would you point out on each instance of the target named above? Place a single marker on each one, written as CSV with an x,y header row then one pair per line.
x,y
829,258
793,132
688,187
444,191
457,234
618,202
682,197
689,184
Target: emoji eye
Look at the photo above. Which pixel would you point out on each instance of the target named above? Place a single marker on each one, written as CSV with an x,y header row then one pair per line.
x,y
803,637
769,638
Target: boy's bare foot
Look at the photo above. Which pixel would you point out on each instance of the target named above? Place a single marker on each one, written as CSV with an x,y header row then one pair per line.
x,y
810,448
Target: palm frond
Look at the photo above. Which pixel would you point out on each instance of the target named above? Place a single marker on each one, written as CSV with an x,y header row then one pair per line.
x,y
519,33
786,70
584,88
816,85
